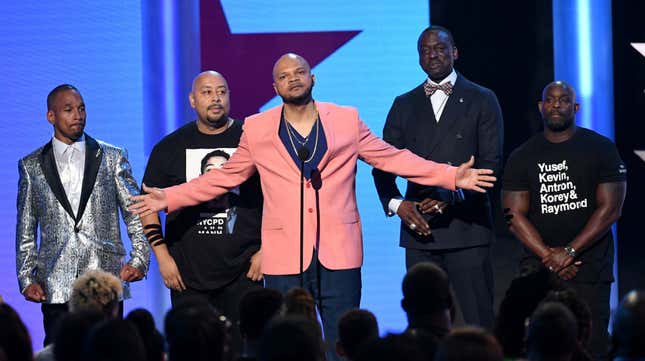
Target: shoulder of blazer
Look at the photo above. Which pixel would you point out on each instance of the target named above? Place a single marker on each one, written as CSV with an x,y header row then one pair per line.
x,y
260,122
414,93
106,149
35,155
470,86
334,110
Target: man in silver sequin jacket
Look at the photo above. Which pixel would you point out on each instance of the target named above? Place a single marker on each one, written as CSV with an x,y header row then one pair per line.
x,y
72,189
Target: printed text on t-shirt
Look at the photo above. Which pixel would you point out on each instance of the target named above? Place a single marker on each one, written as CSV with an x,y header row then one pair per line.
x,y
557,191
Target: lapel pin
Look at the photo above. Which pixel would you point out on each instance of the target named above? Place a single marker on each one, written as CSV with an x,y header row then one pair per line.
x,y
461,100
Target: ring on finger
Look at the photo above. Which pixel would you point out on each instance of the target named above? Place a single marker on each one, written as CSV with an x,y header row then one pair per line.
x,y
413,226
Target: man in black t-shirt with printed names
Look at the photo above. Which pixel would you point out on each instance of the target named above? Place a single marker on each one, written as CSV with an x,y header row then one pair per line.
x,y
210,251
562,191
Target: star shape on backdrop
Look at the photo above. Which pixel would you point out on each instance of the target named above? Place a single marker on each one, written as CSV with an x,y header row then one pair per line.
x,y
640,47
246,60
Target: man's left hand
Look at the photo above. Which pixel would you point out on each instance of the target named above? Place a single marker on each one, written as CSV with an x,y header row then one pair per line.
x,y
474,179
557,260
431,206
130,274
255,270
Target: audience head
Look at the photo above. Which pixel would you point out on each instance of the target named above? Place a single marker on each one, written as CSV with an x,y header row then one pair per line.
x,y
391,348
14,337
551,333
257,308
469,344
291,338
97,290
580,310
354,328
299,301
196,331
152,339
521,299
114,340
629,326
426,292
72,332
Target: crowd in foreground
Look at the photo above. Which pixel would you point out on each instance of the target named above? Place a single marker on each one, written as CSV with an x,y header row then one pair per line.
x,y
538,319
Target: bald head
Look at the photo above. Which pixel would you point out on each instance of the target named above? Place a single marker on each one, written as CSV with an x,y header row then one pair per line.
x,y
210,99
206,75
564,86
558,107
292,79
289,60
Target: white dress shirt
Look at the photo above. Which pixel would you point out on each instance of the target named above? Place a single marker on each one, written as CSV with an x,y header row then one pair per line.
x,y
438,100
70,161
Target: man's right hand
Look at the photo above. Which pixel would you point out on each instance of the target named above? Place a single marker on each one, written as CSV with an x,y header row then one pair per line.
x,y
412,218
34,293
170,274
154,201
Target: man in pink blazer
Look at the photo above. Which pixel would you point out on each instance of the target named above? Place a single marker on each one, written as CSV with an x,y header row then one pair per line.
x,y
335,138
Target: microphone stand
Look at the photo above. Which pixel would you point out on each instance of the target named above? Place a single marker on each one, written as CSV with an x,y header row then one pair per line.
x,y
303,154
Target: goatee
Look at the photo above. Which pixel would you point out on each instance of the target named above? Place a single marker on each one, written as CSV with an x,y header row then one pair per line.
x,y
303,99
559,126
218,122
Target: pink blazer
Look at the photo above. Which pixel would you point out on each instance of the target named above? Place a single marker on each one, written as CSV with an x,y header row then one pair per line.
x,y
338,237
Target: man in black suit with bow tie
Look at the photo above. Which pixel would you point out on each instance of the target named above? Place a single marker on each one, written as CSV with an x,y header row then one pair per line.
x,y
447,119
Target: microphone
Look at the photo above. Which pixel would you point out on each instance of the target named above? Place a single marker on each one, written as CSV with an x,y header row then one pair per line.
x,y
303,154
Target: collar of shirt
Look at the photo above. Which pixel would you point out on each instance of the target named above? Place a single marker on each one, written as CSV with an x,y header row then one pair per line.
x,y
452,78
60,147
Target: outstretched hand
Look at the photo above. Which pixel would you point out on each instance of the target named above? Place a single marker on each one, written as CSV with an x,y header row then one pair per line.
x,y
474,179
152,202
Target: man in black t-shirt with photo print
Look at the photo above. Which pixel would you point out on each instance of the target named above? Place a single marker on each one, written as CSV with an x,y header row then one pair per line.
x,y
212,250
563,189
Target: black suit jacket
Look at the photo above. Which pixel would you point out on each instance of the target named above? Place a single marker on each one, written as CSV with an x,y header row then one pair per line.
x,y
471,124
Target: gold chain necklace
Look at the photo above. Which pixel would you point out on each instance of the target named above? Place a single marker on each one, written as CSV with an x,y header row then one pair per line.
x,y
291,136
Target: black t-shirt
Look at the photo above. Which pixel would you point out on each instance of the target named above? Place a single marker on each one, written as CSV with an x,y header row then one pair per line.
x,y
562,179
212,242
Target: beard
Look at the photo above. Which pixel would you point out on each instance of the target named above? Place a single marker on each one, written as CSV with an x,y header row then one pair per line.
x,y
301,99
558,124
218,122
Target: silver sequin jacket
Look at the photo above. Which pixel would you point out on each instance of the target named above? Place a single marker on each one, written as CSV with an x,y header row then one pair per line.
x,y
70,244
